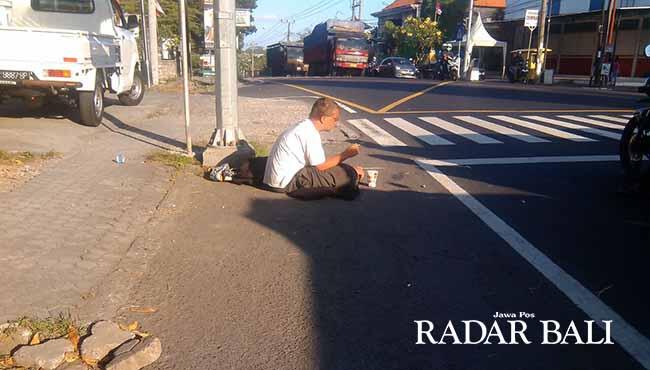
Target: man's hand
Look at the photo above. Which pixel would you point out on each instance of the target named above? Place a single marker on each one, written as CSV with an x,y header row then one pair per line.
x,y
352,151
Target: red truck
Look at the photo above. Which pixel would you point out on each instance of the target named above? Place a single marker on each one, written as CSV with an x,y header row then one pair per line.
x,y
337,48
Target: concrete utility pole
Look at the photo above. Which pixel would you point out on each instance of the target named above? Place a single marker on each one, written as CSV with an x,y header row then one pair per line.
x,y
357,8
145,44
468,43
548,32
288,22
186,78
541,46
153,42
227,133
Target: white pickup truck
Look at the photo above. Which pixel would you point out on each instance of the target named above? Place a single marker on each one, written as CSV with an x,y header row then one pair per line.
x,y
71,49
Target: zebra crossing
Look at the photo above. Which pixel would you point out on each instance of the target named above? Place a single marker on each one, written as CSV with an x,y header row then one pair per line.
x,y
491,129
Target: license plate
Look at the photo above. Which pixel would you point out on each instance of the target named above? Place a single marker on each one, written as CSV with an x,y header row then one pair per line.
x,y
13,83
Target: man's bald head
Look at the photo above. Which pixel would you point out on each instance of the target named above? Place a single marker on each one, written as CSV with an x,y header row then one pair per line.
x,y
324,107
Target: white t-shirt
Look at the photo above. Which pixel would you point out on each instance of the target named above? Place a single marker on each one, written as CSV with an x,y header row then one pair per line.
x,y
299,146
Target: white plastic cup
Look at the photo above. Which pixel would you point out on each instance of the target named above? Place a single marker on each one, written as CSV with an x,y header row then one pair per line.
x,y
372,178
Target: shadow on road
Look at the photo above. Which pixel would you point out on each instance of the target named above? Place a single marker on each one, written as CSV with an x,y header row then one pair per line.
x,y
393,257
147,137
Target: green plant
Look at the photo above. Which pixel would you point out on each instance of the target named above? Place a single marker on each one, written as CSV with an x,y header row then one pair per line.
x,y
174,160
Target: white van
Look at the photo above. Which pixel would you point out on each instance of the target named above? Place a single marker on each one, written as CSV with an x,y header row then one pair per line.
x,y
72,49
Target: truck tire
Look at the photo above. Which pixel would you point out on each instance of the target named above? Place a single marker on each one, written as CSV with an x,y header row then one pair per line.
x,y
91,104
136,94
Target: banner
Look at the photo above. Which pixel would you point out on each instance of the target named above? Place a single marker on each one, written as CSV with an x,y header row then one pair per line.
x,y
208,24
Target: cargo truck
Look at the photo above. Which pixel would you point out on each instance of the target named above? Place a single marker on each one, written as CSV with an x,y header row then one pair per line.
x,y
285,59
337,48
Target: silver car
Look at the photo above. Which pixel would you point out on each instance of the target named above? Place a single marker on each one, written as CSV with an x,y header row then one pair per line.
x,y
397,67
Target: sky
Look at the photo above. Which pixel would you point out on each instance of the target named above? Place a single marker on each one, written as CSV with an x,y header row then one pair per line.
x,y
305,13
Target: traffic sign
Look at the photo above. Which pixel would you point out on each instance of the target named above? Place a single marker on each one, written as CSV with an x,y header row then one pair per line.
x,y
532,18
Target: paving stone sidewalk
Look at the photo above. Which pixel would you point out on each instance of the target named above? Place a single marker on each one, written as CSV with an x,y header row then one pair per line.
x,y
65,231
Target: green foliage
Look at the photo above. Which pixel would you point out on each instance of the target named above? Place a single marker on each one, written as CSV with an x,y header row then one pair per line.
x,y
244,62
168,24
415,38
453,12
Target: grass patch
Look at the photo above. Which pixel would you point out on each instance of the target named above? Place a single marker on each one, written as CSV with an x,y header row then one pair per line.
x,y
175,160
261,150
49,328
19,158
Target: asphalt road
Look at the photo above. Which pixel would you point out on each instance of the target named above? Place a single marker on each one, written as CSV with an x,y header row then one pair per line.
x,y
493,197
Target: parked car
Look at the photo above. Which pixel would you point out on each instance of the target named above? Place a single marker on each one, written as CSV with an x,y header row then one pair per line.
x,y
396,67
74,50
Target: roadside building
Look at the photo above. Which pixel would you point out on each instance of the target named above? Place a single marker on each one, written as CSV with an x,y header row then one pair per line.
x,y
575,33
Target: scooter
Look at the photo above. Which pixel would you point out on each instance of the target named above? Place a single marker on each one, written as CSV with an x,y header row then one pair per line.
x,y
634,148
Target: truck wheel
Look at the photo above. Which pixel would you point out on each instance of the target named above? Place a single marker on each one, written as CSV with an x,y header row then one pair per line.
x,y
91,104
136,94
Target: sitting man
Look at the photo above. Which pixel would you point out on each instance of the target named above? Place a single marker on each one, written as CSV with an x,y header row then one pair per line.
x,y
297,164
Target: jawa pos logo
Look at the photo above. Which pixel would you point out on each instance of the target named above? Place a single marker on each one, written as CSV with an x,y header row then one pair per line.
x,y
513,331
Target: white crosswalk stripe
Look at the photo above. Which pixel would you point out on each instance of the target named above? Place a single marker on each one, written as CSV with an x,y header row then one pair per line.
x,y
376,133
628,116
418,132
545,129
610,118
460,131
555,126
502,129
593,122
573,126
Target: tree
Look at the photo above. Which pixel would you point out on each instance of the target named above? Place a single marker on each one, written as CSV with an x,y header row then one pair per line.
x,y
453,12
415,38
168,24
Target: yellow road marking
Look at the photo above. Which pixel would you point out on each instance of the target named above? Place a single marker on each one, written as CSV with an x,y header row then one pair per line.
x,y
346,102
386,109
411,97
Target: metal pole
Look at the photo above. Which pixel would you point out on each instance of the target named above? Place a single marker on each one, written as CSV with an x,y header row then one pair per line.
x,y
252,61
530,42
145,44
186,83
227,132
468,53
541,46
153,42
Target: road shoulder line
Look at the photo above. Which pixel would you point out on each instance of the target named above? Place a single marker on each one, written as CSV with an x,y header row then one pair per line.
x,y
625,335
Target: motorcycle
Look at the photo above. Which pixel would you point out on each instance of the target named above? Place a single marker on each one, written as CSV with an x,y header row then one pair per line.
x,y
634,148
518,73
447,69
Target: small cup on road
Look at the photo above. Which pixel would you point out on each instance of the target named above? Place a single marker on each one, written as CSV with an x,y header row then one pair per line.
x,y
372,178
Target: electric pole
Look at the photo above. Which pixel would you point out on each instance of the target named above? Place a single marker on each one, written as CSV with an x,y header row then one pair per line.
x,y
153,42
227,133
288,22
357,9
145,44
468,44
541,46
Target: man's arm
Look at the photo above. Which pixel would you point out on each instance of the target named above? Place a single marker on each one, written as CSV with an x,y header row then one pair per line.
x,y
335,160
